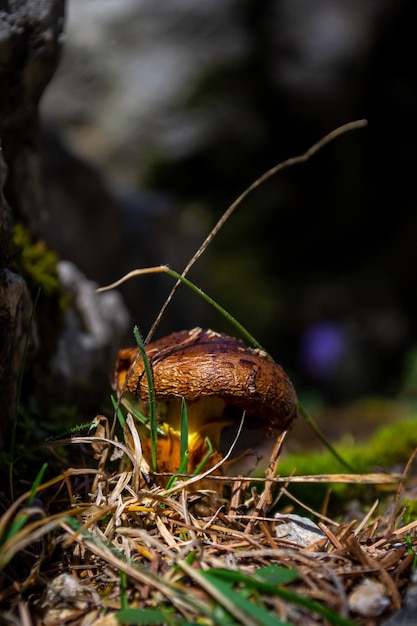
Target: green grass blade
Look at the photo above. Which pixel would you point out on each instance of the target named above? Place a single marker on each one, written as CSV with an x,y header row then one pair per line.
x,y
167,270
119,413
232,320
21,518
38,481
151,393
200,467
183,431
142,617
258,612
123,590
183,468
278,590
131,404
314,427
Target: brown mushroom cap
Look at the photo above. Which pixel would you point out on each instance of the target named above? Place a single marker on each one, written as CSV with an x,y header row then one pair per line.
x,y
199,364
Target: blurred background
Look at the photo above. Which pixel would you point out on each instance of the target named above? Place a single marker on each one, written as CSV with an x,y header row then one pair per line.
x,y
162,113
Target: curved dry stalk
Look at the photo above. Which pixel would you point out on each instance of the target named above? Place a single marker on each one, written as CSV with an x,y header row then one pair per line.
x,y
297,160
167,270
348,479
112,442
265,501
130,429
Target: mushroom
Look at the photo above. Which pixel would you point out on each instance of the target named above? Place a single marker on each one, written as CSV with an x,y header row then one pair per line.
x,y
219,377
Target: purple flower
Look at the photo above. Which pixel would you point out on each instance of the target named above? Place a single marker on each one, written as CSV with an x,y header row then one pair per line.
x,y
323,347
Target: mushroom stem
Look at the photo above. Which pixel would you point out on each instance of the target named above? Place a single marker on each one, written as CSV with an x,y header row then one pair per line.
x,y
204,416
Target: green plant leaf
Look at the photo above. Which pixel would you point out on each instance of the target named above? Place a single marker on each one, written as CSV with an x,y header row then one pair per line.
x,y
278,590
141,616
257,611
276,575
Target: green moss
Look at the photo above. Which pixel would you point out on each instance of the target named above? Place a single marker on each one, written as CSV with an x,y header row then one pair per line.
x,y
387,450
389,446
36,262
410,513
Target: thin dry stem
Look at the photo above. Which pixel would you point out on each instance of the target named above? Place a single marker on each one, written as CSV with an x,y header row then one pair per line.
x,y
264,503
291,162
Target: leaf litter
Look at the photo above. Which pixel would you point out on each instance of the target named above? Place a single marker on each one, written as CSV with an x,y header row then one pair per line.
x,y
133,546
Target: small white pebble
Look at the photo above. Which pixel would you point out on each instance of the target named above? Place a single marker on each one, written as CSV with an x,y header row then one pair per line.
x,y
368,598
300,530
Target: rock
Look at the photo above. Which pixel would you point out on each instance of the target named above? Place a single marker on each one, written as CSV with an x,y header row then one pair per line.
x,y
112,229
369,598
118,105
93,328
300,530
406,615
30,41
31,35
15,311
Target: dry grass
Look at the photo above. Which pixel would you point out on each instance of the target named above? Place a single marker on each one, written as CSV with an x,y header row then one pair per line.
x,y
131,544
